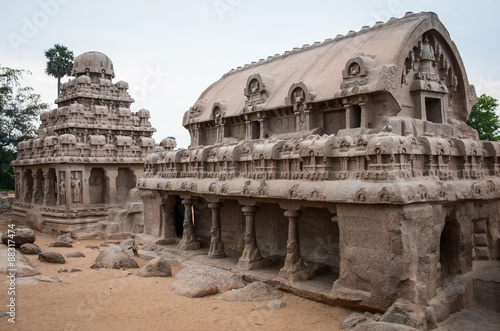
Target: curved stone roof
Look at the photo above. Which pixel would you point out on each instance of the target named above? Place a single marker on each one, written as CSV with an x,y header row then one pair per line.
x,y
322,66
95,62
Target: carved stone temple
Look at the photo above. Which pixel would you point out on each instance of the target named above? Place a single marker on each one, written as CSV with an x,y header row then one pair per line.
x,y
77,174
347,160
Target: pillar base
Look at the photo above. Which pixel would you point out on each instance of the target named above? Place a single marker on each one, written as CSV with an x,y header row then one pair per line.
x,y
248,265
189,247
217,255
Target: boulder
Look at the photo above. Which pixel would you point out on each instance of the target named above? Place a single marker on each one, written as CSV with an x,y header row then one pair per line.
x,y
224,280
354,319
158,267
74,254
30,249
21,236
382,326
193,287
256,291
22,264
46,278
51,257
60,244
276,304
65,238
114,257
405,312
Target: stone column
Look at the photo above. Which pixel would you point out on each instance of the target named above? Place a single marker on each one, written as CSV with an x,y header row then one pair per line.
x,y
111,182
216,246
37,193
294,268
188,241
48,190
168,219
152,208
251,257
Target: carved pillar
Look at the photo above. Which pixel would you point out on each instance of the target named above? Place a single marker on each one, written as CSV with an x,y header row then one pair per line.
x,y
37,188
251,257
62,189
216,246
112,174
168,220
48,190
294,268
264,125
188,241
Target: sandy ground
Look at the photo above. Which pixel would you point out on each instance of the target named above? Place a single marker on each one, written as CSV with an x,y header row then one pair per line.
x,y
111,299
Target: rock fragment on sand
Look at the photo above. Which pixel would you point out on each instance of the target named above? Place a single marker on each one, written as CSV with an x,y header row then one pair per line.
x,y
114,257
74,254
30,249
65,238
276,304
21,236
158,267
193,287
199,281
51,257
60,244
256,291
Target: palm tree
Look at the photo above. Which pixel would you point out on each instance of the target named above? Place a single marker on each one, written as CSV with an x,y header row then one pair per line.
x,y
59,63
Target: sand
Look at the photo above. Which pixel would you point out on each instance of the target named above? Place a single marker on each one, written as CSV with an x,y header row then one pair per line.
x,y
111,299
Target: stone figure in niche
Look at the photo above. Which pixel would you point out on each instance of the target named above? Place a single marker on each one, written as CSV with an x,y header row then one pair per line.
x,y
354,69
254,86
76,187
62,192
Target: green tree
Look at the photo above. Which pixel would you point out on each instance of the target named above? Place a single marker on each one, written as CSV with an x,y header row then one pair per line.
x,y
59,63
484,119
19,110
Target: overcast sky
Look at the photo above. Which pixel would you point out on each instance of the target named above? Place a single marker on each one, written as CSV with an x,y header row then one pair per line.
x,y
170,51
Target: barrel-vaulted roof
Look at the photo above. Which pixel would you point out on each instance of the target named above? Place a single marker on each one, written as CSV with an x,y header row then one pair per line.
x,y
321,66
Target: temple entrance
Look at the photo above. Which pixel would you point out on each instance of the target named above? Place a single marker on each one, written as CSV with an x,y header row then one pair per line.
x,y
449,248
125,181
179,216
97,186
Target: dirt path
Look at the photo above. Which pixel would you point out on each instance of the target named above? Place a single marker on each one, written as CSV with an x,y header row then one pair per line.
x,y
110,299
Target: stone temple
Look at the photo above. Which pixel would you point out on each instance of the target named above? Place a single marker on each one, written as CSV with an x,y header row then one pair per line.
x,y
347,160
77,174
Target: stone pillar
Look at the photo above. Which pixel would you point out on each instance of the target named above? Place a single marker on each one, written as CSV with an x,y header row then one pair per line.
x,y
111,182
37,193
188,241
251,258
168,219
294,268
152,202
216,246
49,198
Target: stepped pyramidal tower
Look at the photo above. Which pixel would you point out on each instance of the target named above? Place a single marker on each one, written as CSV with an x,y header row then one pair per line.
x,y
87,156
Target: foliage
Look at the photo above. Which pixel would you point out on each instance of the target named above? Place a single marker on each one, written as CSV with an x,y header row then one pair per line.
x,y
59,63
484,119
19,110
